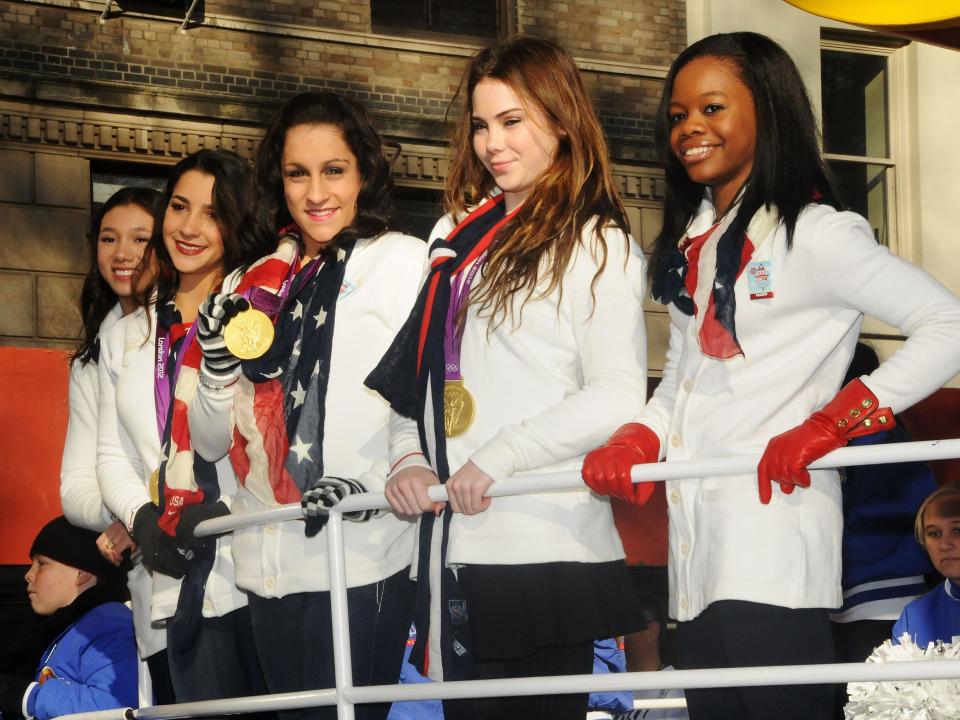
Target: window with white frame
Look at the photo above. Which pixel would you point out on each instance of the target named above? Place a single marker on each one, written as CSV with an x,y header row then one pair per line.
x,y
865,131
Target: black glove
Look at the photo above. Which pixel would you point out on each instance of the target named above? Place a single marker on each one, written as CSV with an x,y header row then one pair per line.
x,y
12,690
322,496
193,515
159,550
219,365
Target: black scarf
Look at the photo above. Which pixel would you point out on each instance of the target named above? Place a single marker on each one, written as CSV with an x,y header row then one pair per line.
x,y
411,378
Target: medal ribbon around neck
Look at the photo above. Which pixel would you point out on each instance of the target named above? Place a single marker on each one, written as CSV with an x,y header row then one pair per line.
x,y
165,377
250,334
459,407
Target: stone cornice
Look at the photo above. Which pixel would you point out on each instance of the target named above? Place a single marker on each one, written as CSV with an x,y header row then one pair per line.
x,y
101,134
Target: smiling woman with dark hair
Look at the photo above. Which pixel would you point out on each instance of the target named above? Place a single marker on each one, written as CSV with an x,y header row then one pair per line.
x,y
305,426
148,373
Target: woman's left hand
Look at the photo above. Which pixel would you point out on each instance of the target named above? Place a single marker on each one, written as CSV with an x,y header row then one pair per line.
x,y
114,541
465,489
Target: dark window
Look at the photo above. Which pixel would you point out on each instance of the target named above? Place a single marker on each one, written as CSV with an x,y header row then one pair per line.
x,y
418,210
856,132
475,18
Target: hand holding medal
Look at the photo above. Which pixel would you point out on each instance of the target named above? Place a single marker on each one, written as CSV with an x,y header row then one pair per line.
x,y
230,331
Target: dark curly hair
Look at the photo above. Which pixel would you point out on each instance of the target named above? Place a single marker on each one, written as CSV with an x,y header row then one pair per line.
x,y
375,210
97,297
234,198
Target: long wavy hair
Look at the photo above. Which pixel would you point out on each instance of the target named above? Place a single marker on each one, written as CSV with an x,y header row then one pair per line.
x,y
234,198
788,171
375,210
97,297
533,250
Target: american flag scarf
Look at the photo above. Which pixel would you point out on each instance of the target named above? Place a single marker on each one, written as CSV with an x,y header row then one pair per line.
x,y
282,395
701,270
411,378
185,478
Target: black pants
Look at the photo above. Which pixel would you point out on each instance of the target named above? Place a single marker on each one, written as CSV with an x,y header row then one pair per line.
x,y
733,633
554,660
221,663
294,640
855,641
160,678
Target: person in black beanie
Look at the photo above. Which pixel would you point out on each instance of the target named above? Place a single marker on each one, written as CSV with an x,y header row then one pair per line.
x,y
91,663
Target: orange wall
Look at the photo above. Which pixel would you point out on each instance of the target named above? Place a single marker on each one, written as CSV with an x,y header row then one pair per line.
x,y
33,423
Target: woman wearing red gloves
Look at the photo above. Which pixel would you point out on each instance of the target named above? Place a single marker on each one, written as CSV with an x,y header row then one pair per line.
x,y
766,283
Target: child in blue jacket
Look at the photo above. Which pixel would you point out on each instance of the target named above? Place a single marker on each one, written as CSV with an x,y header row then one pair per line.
x,y
91,664
936,616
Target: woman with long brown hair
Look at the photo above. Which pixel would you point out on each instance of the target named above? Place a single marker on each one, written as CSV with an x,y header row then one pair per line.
x,y
526,346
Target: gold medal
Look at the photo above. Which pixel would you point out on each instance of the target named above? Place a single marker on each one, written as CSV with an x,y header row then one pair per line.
x,y
459,408
249,335
155,487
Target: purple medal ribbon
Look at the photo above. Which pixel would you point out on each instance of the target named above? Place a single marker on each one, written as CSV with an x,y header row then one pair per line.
x,y
453,335
164,382
272,304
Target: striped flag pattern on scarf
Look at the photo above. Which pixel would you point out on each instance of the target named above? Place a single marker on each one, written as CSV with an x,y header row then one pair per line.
x,y
260,444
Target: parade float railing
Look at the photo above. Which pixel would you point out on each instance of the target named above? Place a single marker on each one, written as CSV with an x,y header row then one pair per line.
x,y
345,695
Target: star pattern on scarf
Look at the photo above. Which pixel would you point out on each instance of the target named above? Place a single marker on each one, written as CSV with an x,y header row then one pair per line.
x,y
302,450
298,395
320,317
297,310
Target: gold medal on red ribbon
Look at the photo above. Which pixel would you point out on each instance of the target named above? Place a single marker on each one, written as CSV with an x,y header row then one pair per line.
x,y
249,334
155,487
459,408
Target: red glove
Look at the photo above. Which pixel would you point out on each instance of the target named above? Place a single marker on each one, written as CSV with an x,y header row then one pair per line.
x,y
852,413
606,470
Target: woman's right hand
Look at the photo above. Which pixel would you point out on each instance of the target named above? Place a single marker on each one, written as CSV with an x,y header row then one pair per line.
x,y
406,491
219,364
114,541
606,470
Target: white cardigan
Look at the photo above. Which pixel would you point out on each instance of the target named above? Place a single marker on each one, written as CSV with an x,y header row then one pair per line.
x,y
380,285
79,489
547,391
723,543
128,451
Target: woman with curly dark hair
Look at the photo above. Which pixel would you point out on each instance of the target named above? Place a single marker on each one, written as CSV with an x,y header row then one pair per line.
x,y
339,286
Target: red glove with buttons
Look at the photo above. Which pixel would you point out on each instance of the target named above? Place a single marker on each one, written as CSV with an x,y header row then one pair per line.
x,y
606,470
852,413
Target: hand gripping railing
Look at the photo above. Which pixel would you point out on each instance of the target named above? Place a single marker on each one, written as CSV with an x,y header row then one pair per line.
x,y
345,695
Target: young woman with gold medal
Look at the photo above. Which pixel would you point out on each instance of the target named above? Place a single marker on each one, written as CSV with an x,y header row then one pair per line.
x,y
149,370
526,346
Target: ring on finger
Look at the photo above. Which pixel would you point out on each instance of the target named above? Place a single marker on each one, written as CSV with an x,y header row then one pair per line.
x,y
110,544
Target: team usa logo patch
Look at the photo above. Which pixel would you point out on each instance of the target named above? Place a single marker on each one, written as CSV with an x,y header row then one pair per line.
x,y
760,279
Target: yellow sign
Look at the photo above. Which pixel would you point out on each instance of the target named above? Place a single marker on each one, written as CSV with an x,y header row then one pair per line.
x,y
894,13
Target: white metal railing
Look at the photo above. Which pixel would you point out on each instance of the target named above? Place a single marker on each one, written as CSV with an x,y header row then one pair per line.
x,y
345,695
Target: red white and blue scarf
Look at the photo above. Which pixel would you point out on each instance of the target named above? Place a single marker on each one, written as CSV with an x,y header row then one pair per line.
x,y
411,378
701,270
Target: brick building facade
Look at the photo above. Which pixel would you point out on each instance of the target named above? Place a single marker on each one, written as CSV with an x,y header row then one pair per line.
x,y
93,90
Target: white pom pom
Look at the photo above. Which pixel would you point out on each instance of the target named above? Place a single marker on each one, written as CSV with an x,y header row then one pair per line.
x,y
906,700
